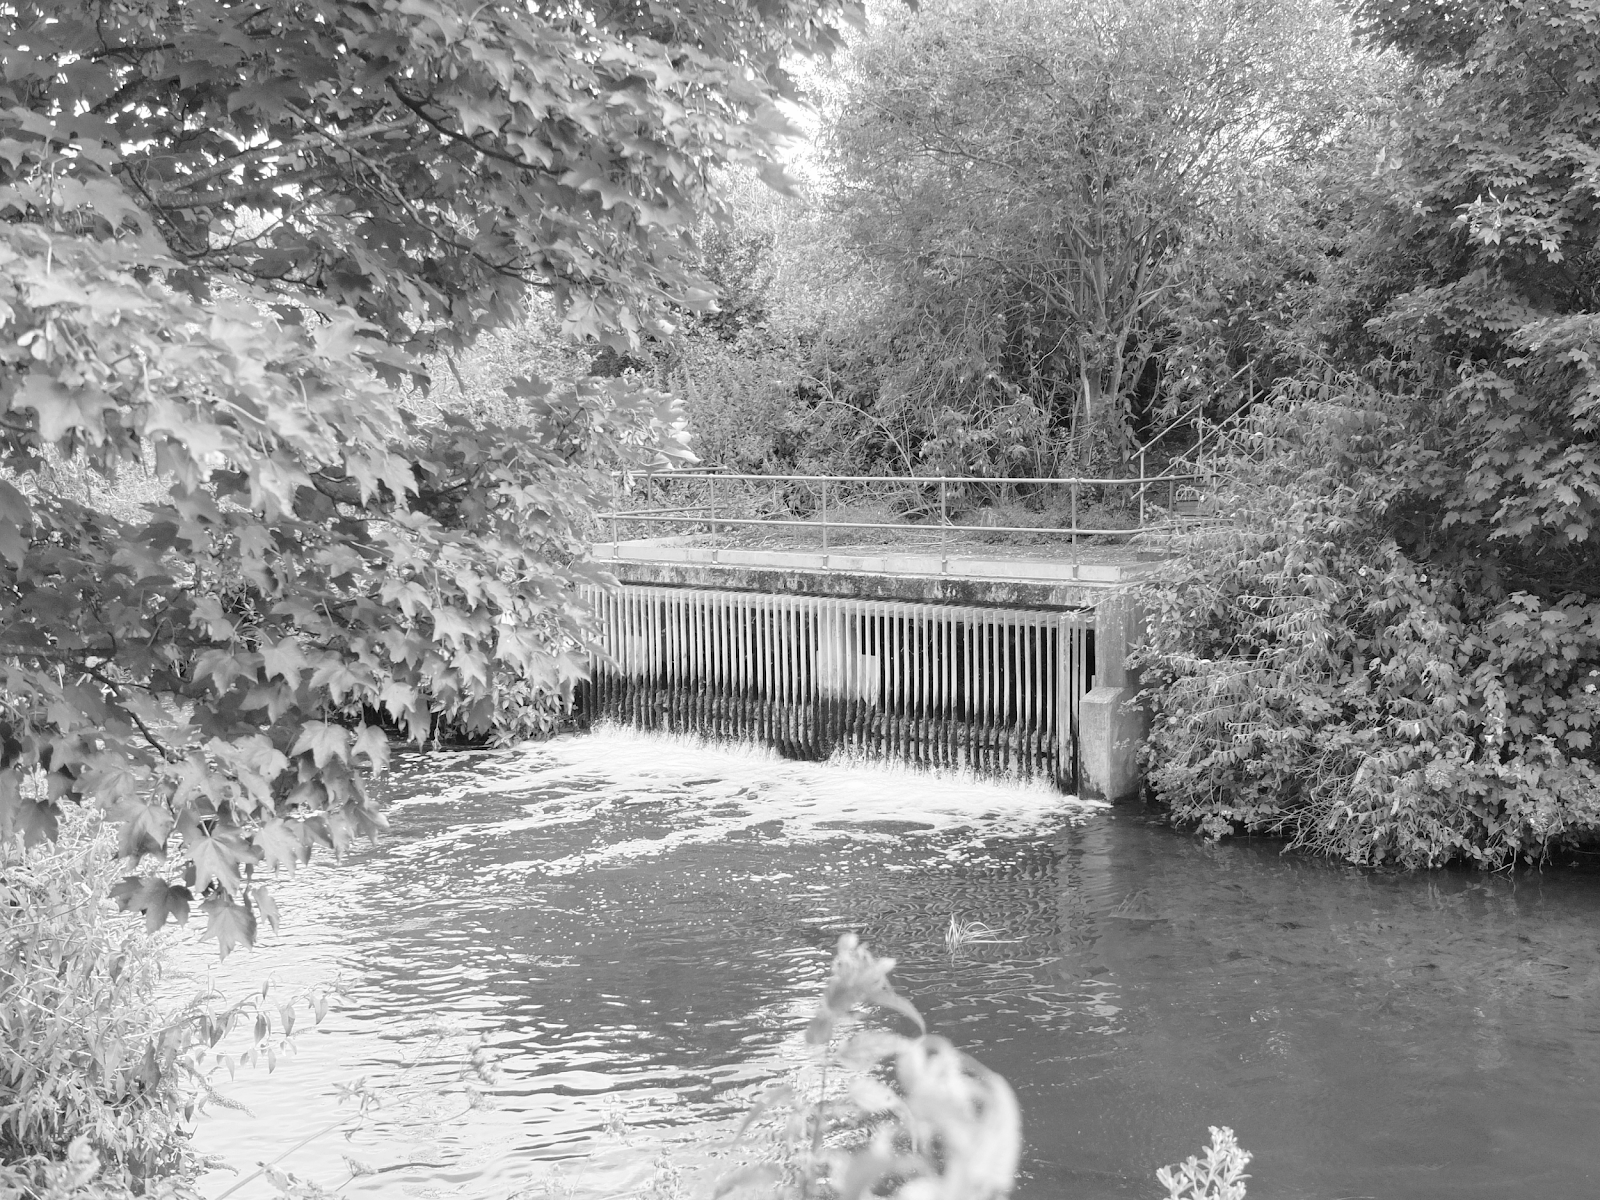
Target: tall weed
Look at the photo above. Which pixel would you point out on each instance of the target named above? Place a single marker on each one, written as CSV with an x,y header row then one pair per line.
x,y
101,1075
86,1050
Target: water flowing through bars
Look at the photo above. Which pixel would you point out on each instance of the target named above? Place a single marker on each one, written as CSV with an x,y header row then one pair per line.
x,y
993,690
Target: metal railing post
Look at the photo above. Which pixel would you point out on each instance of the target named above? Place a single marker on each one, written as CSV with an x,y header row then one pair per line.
x,y
944,513
824,515
711,502
1141,489
1074,518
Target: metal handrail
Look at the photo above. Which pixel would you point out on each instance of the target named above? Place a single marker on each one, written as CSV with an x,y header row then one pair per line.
x,y
696,514
783,522
716,473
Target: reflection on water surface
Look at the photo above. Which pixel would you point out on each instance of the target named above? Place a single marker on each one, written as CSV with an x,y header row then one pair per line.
x,y
635,930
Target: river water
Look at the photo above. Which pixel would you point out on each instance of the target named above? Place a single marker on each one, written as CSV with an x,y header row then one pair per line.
x,y
629,934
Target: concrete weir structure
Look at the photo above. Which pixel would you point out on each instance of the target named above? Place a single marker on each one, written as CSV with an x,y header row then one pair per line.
x,y
1002,665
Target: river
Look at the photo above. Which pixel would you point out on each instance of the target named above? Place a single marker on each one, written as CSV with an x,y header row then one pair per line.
x,y
628,933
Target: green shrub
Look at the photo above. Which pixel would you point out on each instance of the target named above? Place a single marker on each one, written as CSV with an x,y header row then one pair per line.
x,y
1311,680
88,1055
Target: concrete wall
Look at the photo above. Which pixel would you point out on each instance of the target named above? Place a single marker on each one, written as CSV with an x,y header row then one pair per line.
x,y
1112,723
932,579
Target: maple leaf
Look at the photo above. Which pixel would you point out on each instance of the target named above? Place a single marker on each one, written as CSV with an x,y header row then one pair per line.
x,y
285,660
37,821
269,909
62,409
153,896
281,843
325,741
217,850
373,742
13,545
229,922
143,828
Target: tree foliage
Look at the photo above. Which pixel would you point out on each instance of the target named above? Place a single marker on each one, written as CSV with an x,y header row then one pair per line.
x,y
226,235
1399,659
1027,175
1310,679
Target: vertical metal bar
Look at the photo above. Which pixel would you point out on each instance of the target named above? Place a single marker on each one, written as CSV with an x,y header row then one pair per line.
x,y
969,697
1141,488
680,632
698,601
1074,522
1024,698
652,656
691,663
986,671
1004,630
891,663
764,652
804,657
670,642
944,513
786,634
780,647
724,637
742,646
919,663
824,515
813,663
625,649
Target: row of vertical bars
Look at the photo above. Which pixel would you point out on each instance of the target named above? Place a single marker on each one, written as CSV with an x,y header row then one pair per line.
x,y
994,690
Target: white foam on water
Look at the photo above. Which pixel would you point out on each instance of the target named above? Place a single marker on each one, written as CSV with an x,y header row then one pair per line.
x,y
551,1135
707,791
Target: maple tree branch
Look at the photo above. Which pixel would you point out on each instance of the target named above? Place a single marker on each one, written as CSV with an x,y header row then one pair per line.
x,y
55,654
432,227
167,193
419,107
165,751
245,191
133,51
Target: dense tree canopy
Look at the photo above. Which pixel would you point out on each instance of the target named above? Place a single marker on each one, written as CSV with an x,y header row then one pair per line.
x,y
227,232
1397,657
1028,173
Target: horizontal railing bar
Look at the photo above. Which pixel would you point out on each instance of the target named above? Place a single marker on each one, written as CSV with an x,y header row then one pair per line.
x,y
693,473
900,528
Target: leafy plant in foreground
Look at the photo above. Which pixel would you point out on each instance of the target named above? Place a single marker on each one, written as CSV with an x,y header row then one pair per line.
x,y
949,1128
1219,1176
98,1074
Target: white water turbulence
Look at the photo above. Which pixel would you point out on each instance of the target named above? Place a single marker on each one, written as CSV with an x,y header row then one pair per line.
x,y
571,966
568,968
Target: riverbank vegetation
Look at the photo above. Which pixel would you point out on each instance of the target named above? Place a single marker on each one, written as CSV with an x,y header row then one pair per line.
x,y
1395,654
1339,257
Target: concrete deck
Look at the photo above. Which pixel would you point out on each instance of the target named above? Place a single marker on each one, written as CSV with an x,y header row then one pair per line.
x,y
938,578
